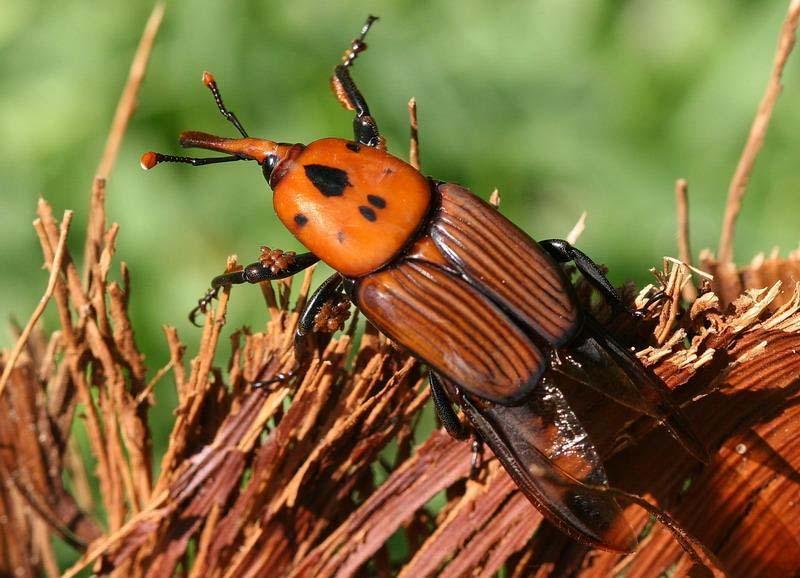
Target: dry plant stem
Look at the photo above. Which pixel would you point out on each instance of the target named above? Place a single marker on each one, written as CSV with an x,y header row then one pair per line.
x,y
669,311
55,269
100,546
42,539
117,433
125,108
684,248
758,131
75,349
127,102
197,385
145,393
682,203
44,511
413,151
577,230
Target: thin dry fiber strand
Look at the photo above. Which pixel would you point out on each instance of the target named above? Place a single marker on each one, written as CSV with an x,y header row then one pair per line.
x,y
55,270
684,246
296,479
122,115
758,132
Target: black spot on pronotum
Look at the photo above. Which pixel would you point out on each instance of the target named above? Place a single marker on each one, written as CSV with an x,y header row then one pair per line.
x,y
300,219
387,171
329,180
353,147
367,213
377,201
340,236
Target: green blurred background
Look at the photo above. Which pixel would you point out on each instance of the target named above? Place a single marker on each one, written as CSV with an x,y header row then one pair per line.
x,y
564,106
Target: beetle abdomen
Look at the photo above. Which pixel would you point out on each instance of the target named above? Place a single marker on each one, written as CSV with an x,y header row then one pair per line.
x,y
504,262
461,333
547,452
353,206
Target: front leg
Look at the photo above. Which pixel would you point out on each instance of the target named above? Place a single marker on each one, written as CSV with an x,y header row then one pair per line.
x,y
326,311
563,252
271,266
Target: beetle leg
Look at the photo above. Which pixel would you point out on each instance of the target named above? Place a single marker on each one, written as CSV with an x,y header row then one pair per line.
x,y
453,425
279,378
444,409
364,126
655,298
272,266
365,129
326,309
564,252
477,456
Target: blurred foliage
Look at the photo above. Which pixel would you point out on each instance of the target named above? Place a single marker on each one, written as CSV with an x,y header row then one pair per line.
x,y
564,106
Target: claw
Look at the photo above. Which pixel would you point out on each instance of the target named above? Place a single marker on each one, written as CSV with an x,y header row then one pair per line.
x,y
641,314
193,315
202,305
279,378
659,295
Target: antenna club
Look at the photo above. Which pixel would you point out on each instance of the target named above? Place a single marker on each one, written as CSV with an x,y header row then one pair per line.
x,y
208,78
149,160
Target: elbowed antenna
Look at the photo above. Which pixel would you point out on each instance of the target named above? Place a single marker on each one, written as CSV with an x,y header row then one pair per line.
x,y
239,149
211,83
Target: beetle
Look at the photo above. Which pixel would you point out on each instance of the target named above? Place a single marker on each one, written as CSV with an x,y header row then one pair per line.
x,y
490,311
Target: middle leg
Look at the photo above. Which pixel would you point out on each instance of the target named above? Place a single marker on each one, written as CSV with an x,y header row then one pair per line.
x,y
325,312
564,252
444,409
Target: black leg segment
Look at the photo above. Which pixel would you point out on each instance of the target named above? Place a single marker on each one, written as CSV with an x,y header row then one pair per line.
x,y
444,409
365,129
304,337
563,252
261,271
253,273
325,293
